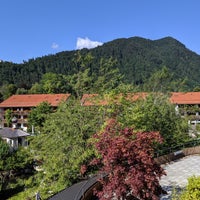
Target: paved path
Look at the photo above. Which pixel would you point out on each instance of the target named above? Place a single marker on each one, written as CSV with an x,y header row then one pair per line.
x,y
178,172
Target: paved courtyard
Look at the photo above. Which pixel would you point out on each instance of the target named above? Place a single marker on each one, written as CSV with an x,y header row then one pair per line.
x,y
178,172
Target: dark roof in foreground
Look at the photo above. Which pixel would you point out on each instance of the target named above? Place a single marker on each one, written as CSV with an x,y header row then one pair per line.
x,y
76,191
12,133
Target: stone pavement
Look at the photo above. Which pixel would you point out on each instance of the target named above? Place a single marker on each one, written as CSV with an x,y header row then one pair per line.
x,y
178,172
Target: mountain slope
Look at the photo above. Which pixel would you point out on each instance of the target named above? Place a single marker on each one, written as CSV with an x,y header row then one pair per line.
x,y
137,59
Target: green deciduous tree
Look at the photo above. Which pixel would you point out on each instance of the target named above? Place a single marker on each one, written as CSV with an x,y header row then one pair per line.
x,y
11,161
81,82
160,81
52,83
192,190
21,91
7,90
38,115
8,117
55,83
36,89
104,78
109,76
62,147
155,113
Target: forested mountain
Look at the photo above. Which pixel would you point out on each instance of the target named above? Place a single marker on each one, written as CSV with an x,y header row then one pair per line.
x,y
137,59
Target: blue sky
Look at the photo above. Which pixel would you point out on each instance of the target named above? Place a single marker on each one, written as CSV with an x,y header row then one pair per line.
x,y
35,28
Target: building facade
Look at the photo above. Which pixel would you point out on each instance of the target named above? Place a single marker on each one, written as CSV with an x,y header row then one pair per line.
x,y
20,106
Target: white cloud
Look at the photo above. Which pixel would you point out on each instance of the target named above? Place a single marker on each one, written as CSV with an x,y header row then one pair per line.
x,y
54,46
86,43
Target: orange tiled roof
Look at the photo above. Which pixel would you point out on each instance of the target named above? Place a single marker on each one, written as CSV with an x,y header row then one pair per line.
x,y
176,98
185,98
136,96
95,99
92,99
33,100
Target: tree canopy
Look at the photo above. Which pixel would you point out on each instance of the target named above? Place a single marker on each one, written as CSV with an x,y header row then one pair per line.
x,y
38,115
10,162
62,147
155,113
126,160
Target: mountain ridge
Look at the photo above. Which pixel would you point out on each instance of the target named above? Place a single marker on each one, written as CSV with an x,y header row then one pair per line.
x,y
137,59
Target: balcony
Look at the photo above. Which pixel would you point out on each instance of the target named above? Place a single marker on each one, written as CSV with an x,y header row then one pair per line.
x,y
22,113
19,121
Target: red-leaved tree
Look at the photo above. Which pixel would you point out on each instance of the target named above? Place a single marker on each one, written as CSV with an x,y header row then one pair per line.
x,y
127,160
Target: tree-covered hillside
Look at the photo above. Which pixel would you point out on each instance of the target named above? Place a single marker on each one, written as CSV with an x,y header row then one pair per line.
x,y
137,59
